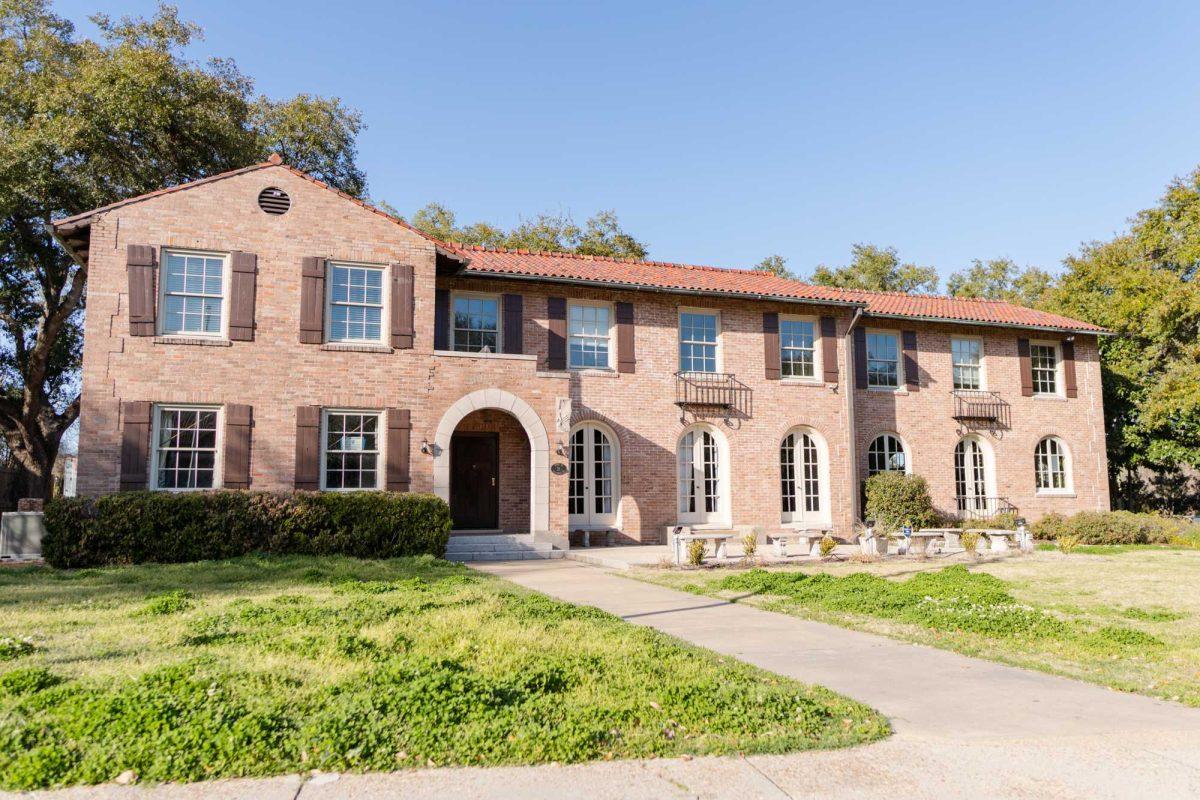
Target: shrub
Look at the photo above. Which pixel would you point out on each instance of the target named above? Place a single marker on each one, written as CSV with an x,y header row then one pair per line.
x,y
163,527
167,603
695,552
1067,543
969,541
1050,527
896,499
749,545
828,544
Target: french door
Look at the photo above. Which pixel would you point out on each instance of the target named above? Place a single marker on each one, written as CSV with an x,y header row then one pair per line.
x,y
591,501
970,479
701,492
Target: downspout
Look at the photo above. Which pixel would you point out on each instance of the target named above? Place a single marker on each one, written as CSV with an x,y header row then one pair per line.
x,y
851,421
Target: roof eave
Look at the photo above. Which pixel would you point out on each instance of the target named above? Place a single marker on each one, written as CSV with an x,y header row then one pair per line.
x,y
986,324
640,287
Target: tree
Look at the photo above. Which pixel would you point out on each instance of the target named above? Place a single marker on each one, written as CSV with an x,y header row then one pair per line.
x,y
601,235
879,270
84,123
1142,285
1001,279
776,265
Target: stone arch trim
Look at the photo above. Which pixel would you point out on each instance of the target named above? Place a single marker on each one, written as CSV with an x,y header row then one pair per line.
x,y
535,431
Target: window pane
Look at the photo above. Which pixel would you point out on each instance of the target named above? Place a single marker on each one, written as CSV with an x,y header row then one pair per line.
x,y
356,304
475,326
351,450
883,367
186,450
796,339
192,293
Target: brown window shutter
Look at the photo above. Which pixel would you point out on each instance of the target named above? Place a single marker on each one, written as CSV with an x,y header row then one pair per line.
x,y
402,306
626,356
1068,355
399,434
139,262
308,447
441,319
514,320
771,344
912,373
556,310
236,469
860,358
312,300
829,363
135,445
243,286
1026,367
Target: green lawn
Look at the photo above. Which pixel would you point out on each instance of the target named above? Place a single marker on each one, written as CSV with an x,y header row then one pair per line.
x,y
260,666
1128,619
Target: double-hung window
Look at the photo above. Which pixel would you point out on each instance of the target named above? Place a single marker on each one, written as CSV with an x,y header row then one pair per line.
x,y
1043,358
356,300
697,341
588,330
883,361
476,323
967,363
185,447
797,351
193,293
350,450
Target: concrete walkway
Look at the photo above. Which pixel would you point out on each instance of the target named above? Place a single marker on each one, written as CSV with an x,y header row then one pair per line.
x,y
964,728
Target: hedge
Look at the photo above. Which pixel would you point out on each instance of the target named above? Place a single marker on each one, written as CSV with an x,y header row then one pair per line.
x,y
1116,527
896,499
164,527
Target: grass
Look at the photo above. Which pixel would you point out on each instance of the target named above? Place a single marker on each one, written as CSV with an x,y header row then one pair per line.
x,y
261,666
1130,622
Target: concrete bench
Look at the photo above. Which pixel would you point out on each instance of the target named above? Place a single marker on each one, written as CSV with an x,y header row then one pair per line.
x,y
998,540
680,535
808,539
919,542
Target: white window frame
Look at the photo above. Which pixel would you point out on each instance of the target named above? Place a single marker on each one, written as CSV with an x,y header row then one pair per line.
x,y
800,516
161,313
899,387
591,519
1059,389
1068,487
385,313
904,449
679,340
454,297
611,311
982,360
817,376
156,450
700,518
380,447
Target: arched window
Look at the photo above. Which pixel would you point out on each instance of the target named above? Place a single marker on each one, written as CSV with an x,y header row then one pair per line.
x,y
971,479
886,454
592,486
702,482
1050,466
803,482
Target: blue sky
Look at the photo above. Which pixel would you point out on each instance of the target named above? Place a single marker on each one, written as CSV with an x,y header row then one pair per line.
x,y
722,133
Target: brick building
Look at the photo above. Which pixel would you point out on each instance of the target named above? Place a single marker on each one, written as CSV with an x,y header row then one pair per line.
x,y
258,329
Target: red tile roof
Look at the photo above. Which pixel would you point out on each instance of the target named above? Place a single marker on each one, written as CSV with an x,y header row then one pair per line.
x,y
684,278
664,276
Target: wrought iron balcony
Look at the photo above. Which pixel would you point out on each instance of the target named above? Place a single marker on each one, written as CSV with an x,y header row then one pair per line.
x,y
979,508
713,394
975,407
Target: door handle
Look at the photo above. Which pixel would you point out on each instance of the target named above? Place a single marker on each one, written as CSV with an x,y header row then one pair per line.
x,y
493,480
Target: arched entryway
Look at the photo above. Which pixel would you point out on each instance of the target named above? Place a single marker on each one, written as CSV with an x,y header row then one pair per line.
x,y
535,431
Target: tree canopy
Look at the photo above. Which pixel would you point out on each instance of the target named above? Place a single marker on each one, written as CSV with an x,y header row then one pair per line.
x,y
600,235
877,269
1001,279
87,122
775,265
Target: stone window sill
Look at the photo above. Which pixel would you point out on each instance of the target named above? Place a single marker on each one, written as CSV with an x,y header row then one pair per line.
x,y
597,372
803,382
1052,493
352,347
201,341
491,356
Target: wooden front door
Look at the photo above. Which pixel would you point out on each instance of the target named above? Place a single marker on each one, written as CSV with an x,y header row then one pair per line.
x,y
474,481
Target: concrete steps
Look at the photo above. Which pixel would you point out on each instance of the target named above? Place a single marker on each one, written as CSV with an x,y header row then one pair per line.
x,y
498,547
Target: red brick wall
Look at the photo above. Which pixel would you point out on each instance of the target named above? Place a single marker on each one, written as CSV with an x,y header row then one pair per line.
x,y
275,373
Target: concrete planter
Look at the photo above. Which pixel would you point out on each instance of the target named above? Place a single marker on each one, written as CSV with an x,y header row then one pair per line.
x,y
873,545
21,535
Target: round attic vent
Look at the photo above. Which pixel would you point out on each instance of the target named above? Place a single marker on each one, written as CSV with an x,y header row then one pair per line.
x,y
274,201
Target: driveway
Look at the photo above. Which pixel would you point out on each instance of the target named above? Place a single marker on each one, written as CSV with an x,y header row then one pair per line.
x,y
965,728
